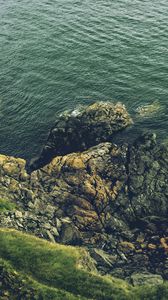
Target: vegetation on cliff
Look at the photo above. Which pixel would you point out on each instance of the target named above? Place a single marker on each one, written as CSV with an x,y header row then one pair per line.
x,y
31,268
55,271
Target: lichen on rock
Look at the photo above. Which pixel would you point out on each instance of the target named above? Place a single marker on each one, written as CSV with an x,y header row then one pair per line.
x,y
105,196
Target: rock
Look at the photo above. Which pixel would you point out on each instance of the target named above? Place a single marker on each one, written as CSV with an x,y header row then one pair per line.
x,y
50,236
70,235
102,258
149,109
47,225
92,125
10,168
18,214
126,247
164,243
111,197
55,231
152,246
146,279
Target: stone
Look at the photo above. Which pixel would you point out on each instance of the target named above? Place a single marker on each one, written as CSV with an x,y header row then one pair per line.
x,y
152,246
55,231
146,279
102,258
70,235
126,247
164,243
18,214
47,225
10,168
92,125
50,236
3,159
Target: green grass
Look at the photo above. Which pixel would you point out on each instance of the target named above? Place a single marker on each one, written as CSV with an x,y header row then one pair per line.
x,y
6,205
24,287
62,272
57,266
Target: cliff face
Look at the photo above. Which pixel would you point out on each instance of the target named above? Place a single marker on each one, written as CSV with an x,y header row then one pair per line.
x,y
110,198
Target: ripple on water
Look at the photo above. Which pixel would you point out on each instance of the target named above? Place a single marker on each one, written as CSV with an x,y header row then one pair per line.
x,y
56,55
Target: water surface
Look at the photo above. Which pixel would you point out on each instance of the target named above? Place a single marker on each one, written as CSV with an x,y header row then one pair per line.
x,y
55,55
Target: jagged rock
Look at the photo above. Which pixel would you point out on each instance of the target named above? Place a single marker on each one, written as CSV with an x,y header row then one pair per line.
x,y
104,197
80,130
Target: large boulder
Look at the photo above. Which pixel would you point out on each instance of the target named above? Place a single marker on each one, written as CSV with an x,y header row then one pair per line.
x,y
81,129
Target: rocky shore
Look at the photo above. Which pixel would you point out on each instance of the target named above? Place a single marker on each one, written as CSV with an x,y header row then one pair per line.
x,y
86,190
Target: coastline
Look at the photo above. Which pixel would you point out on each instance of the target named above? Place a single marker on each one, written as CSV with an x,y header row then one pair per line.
x,y
109,198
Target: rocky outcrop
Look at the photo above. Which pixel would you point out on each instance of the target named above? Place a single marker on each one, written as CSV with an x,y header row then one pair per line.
x,y
81,129
111,198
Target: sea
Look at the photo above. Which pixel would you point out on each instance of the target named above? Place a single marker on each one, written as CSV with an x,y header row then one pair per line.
x,y
58,55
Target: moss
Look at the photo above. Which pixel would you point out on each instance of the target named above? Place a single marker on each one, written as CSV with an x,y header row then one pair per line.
x,y
6,205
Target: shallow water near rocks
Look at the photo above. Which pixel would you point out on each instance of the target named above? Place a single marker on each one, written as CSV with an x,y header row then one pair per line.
x,y
56,55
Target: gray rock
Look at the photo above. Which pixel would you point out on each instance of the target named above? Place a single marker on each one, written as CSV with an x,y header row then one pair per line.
x,y
70,234
146,279
83,129
102,258
50,236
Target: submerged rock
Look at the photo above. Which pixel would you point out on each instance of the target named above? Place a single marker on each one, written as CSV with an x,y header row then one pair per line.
x,y
149,109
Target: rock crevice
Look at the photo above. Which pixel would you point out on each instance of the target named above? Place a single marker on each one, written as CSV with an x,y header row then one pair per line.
x,y
109,197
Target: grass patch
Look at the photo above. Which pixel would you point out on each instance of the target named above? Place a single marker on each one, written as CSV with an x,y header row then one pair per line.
x,y
24,287
57,266
59,272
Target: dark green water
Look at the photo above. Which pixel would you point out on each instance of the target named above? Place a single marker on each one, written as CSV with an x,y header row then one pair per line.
x,y
55,55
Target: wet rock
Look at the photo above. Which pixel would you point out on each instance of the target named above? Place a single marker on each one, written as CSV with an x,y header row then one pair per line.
x,y
80,130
